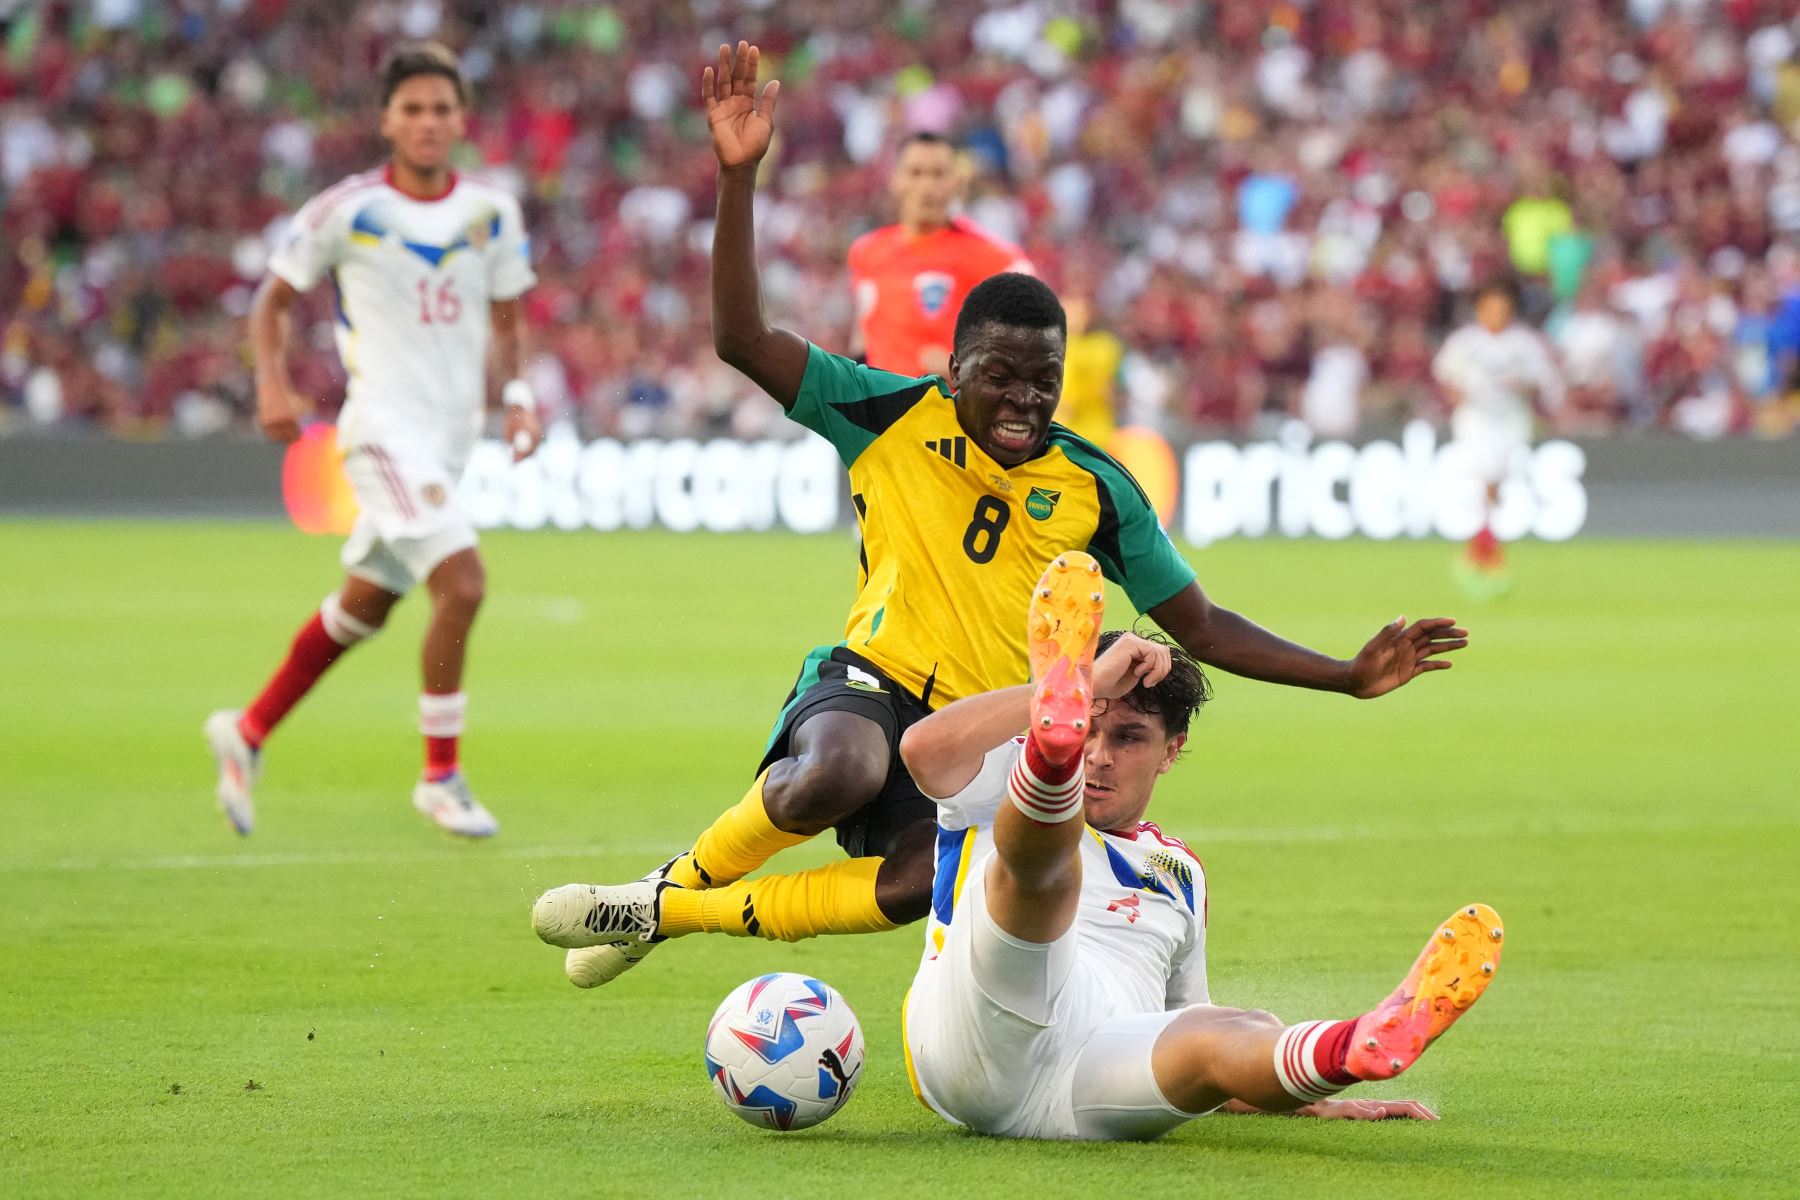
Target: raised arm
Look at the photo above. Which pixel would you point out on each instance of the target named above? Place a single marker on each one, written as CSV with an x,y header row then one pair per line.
x,y
742,124
1221,638
944,752
278,410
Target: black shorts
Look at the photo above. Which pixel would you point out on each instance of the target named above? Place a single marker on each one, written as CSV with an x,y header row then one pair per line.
x,y
837,679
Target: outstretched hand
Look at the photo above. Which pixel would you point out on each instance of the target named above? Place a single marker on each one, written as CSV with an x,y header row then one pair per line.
x,y
1400,652
1359,1109
1129,661
742,123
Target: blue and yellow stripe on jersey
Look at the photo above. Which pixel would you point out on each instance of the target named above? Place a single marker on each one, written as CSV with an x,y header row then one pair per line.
x,y
371,226
953,542
954,848
1163,873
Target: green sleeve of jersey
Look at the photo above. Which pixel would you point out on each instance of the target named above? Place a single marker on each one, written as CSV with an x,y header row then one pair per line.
x,y
1129,541
851,405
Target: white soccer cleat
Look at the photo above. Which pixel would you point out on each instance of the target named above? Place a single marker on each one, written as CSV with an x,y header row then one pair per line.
x,y
452,805
239,765
594,966
588,914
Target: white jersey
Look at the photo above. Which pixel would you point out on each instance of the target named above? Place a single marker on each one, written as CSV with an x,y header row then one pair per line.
x,y
1141,918
1496,373
413,281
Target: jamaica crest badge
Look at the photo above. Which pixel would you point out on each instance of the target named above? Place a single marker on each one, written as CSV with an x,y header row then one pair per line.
x,y
1041,503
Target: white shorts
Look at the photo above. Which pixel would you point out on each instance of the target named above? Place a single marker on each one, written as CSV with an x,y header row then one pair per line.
x,y
1490,441
409,521
1029,1040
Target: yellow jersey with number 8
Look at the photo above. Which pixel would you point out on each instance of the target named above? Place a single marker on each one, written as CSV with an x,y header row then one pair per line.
x,y
953,542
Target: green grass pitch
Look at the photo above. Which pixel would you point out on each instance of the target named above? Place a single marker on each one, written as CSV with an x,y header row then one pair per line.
x,y
1612,764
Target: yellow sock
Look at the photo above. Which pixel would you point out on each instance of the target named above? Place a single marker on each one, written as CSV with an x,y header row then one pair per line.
x,y
839,898
741,840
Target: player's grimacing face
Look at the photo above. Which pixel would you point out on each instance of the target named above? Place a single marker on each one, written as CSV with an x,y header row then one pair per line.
x,y
1008,381
1126,752
423,121
925,183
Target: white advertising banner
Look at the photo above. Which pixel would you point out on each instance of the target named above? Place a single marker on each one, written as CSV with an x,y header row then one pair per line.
x,y
722,486
1290,486
1417,487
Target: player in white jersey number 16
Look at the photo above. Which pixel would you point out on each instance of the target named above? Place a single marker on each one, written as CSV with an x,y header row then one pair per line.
x,y
427,271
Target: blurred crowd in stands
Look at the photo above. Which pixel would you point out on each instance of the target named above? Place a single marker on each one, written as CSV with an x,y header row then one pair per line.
x,y
1276,209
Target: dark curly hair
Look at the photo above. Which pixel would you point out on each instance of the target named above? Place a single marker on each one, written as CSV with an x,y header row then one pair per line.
x,y
1009,298
1180,695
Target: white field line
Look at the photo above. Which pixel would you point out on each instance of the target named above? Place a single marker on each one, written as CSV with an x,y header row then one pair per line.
x,y
646,850
328,858
341,858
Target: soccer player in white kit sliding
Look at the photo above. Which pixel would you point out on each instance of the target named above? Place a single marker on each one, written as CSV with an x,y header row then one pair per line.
x,y
1490,369
1063,988
427,268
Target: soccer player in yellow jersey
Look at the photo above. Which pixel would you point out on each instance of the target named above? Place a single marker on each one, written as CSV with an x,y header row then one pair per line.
x,y
964,489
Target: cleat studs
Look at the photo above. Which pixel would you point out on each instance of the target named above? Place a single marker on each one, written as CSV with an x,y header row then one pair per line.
x,y
1096,597
1062,563
1471,911
1093,568
1496,933
1045,593
1487,968
1447,934
1080,725
1046,722
1396,1064
1371,1044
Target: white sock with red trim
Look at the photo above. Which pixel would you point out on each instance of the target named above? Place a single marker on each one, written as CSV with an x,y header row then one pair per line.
x,y
1310,1059
1049,793
441,721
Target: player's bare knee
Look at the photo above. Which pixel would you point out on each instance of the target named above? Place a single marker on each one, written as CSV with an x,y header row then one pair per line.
x,y
816,790
460,591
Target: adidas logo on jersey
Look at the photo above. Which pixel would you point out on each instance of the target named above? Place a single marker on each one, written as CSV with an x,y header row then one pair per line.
x,y
956,449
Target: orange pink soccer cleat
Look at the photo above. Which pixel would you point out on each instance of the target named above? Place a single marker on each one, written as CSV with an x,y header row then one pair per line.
x,y
1061,633
1449,976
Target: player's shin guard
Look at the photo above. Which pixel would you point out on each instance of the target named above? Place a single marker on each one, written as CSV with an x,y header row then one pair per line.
x,y
318,644
1310,1059
441,721
838,898
741,840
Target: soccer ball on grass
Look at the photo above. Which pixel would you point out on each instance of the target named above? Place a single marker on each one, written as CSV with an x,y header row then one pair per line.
x,y
784,1051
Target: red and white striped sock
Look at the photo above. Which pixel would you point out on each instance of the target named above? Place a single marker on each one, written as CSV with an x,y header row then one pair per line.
x,y
441,721
318,644
1049,793
1310,1059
